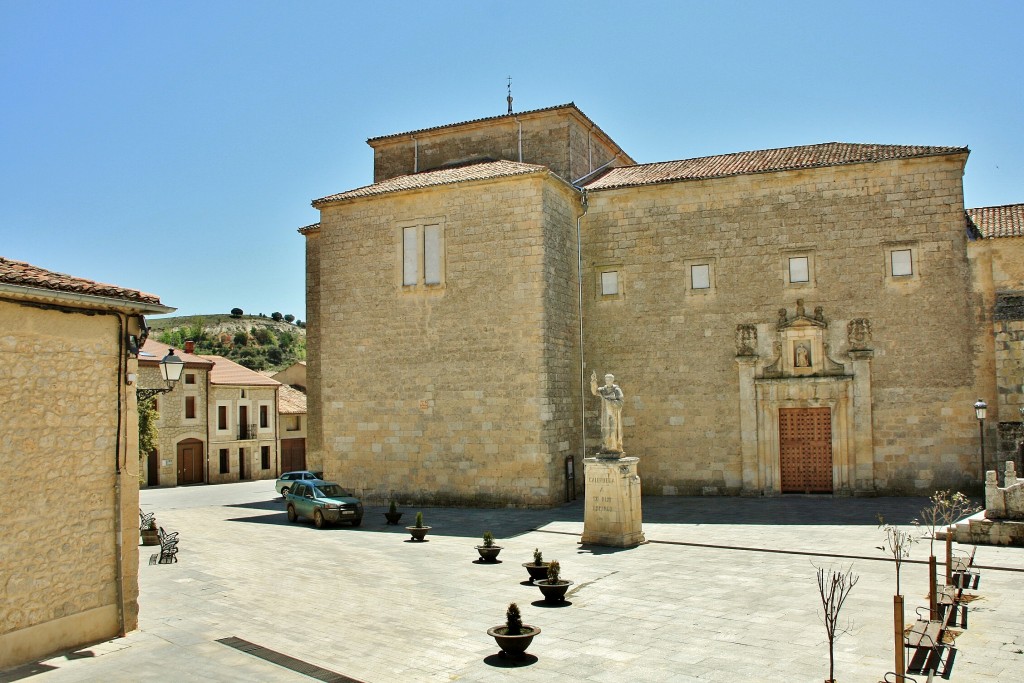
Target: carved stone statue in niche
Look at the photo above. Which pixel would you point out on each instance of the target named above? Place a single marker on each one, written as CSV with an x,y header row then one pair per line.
x,y
802,356
746,340
858,334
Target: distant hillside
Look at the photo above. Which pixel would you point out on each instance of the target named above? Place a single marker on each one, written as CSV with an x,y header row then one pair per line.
x,y
258,343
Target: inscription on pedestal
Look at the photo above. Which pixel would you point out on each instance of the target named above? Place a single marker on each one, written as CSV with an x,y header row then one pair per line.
x,y
612,515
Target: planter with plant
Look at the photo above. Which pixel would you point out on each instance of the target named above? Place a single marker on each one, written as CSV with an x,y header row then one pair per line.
x,y
393,515
150,533
538,569
513,637
488,551
554,587
418,531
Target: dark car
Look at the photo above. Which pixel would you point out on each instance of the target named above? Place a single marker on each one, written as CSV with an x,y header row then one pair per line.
x,y
288,479
323,502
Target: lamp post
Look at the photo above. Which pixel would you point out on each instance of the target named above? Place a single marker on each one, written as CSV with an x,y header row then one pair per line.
x,y
980,408
170,369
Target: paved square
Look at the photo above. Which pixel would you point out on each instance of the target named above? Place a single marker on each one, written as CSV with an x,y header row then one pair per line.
x,y
725,590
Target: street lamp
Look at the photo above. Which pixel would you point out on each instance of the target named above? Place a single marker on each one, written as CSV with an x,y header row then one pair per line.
x,y
170,369
980,408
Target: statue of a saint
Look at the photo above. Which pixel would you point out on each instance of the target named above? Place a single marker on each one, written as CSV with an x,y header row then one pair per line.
x,y
611,412
803,357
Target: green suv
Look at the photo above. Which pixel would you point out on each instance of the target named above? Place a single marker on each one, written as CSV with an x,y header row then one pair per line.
x,y
323,502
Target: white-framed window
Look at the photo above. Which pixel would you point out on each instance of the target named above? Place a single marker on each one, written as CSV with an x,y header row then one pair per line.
x,y
799,269
699,274
901,262
422,254
610,283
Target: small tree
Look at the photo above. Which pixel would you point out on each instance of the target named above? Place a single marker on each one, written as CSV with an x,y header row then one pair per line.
x,y
488,539
944,508
289,317
236,312
147,430
419,520
897,543
276,316
513,620
554,571
834,586
538,557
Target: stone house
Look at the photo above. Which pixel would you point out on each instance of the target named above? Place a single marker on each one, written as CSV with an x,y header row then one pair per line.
x,y
218,424
291,410
70,426
807,319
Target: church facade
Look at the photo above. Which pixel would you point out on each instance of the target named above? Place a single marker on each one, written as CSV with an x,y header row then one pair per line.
x,y
814,319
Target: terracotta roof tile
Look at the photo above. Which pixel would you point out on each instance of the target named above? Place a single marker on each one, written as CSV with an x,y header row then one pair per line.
x,y
306,229
153,351
998,221
570,105
761,161
226,371
27,275
442,176
290,401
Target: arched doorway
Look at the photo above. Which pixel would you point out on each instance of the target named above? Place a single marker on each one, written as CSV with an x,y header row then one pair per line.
x,y
190,461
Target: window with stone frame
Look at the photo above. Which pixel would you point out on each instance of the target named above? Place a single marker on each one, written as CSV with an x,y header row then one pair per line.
x,y
422,250
225,466
799,268
190,407
265,457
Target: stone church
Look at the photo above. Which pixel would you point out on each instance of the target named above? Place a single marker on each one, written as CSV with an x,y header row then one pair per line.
x,y
813,319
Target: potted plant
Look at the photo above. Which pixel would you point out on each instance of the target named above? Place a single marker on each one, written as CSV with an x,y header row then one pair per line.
x,y
150,534
393,515
488,551
513,637
554,587
418,531
538,569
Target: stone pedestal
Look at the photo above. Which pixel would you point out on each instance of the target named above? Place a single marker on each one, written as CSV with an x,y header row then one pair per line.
x,y
612,513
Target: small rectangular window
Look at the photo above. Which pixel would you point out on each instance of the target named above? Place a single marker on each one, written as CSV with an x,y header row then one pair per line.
x,y
610,283
222,417
265,457
902,262
190,378
432,254
410,255
700,276
798,269
264,417
224,467
190,407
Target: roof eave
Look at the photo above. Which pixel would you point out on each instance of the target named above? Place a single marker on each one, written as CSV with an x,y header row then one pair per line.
x,y
85,301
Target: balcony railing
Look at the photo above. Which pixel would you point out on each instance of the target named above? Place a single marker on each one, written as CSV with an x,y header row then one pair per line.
x,y
246,431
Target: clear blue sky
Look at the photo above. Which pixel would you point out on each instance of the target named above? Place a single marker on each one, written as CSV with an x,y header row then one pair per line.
x,y
174,147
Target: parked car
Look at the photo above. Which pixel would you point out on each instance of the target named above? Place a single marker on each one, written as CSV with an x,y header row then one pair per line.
x,y
288,479
323,502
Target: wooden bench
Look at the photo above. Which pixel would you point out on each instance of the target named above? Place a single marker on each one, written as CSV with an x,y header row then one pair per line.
x,y
168,547
924,639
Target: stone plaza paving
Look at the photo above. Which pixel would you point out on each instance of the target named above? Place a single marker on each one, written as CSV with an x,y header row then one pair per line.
x,y
724,590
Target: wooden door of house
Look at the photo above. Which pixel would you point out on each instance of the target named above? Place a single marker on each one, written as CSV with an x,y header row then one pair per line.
x,y
805,450
293,455
242,470
190,462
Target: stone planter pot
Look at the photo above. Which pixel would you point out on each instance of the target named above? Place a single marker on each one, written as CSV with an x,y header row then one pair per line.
x,y
488,554
150,537
513,646
538,572
392,517
553,592
418,532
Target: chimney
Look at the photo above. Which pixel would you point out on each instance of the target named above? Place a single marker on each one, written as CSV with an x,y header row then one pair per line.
x,y
190,347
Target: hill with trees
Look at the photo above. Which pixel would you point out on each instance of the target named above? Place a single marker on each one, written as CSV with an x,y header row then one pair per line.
x,y
258,342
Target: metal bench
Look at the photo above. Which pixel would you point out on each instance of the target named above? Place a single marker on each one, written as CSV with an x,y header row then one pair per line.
x,y
146,519
168,547
962,570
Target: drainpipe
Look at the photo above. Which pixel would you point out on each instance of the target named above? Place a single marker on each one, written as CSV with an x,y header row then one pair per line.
x,y
415,156
122,398
520,139
579,303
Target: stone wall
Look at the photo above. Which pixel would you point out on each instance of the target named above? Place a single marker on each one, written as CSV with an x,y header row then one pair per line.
x,y
561,139
61,430
458,393
673,348
172,425
244,458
